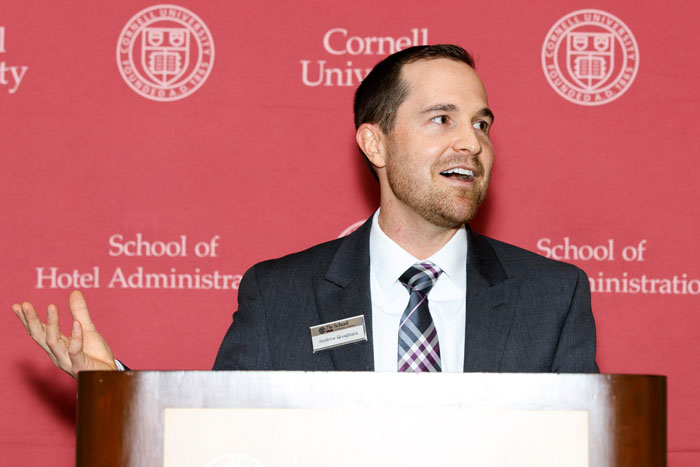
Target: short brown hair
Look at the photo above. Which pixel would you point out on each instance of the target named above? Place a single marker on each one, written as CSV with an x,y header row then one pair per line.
x,y
382,92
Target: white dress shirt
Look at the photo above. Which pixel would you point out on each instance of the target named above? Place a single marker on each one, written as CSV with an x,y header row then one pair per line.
x,y
447,299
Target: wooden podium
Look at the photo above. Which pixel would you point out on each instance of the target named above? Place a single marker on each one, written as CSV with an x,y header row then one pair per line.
x,y
134,418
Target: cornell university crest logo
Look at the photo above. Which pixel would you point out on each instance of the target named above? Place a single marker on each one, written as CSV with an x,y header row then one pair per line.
x,y
165,52
590,57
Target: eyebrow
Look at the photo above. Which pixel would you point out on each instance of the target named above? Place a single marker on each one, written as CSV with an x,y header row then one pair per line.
x,y
440,108
485,112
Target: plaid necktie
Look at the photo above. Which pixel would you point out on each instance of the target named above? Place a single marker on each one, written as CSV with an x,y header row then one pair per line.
x,y
419,349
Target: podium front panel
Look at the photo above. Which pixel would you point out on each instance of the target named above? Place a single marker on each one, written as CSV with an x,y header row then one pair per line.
x,y
122,416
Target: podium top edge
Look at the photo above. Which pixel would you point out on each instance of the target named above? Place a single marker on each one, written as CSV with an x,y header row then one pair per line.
x,y
383,374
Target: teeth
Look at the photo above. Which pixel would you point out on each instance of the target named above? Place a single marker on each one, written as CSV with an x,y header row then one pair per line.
x,y
458,171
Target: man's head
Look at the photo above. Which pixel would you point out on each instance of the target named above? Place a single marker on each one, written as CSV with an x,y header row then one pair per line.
x,y
427,135
381,93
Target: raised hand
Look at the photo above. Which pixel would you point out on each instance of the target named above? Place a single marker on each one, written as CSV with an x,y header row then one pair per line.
x,y
83,350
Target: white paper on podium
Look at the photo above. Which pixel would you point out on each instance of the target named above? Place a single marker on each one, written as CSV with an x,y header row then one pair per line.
x,y
444,437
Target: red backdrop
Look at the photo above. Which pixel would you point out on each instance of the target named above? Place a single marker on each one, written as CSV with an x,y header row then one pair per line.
x,y
232,132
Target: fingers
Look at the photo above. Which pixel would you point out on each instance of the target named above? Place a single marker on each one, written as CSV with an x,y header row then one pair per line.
x,y
75,348
48,336
79,310
52,330
35,327
56,343
17,309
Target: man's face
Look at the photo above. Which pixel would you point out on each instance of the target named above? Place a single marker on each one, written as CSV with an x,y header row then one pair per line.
x,y
438,155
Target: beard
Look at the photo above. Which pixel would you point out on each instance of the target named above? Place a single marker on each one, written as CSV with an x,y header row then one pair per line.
x,y
440,204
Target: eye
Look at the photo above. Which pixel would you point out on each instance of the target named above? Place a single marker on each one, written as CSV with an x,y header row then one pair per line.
x,y
441,119
482,125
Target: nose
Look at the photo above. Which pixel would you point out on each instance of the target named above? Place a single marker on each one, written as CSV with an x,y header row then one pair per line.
x,y
467,140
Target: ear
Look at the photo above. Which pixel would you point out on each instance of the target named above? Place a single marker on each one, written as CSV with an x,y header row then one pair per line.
x,y
370,139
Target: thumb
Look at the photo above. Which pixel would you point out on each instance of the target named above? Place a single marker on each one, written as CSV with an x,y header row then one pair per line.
x,y
79,310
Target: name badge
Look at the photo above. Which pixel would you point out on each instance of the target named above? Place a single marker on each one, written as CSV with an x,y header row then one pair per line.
x,y
336,333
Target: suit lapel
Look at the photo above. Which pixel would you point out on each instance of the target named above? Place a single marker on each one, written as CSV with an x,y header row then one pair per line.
x,y
344,292
491,298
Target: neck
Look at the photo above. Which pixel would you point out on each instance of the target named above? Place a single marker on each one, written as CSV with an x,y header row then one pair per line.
x,y
414,234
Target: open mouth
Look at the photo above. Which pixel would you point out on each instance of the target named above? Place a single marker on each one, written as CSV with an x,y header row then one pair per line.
x,y
465,175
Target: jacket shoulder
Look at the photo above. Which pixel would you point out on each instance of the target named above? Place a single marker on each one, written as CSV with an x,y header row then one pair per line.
x,y
300,264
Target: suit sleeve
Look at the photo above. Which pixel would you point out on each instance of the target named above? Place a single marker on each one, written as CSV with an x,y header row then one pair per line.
x,y
245,345
576,348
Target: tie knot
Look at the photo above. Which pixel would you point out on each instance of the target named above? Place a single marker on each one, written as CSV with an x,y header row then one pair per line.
x,y
420,277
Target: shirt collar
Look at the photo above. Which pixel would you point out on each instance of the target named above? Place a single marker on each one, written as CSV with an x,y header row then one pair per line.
x,y
388,260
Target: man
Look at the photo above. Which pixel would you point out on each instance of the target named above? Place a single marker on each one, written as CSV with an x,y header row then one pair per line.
x,y
474,304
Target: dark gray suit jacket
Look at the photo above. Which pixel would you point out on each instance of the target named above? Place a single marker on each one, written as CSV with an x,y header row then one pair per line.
x,y
525,313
